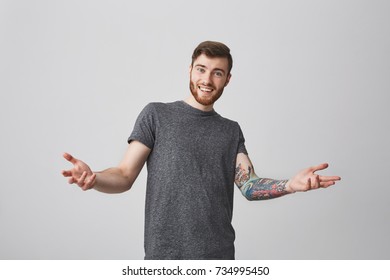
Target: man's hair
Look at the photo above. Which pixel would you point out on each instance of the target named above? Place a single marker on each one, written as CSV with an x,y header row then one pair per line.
x,y
213,49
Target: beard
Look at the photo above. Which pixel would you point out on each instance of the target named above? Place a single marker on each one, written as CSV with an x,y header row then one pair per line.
x,y
208,100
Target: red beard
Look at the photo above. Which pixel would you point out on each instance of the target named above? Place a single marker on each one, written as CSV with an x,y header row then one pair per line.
x,y
205,101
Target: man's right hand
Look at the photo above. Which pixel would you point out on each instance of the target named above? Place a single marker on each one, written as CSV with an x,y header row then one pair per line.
x,y
81,174
112,180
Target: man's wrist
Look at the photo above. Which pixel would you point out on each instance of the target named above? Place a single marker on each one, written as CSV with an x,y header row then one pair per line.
x,y
288,188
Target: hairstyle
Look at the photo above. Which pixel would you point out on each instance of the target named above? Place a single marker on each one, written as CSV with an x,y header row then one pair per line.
x,y
213,49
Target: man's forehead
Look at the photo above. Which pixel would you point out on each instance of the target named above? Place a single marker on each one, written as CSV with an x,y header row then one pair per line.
x,y
212,62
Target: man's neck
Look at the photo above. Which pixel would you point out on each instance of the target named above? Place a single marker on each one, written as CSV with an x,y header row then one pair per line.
x,y
192,102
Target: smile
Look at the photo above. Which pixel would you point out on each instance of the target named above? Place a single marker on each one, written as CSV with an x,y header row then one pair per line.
x,y
205,89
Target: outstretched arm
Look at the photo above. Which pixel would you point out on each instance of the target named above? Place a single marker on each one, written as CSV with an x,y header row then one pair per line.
x,y
113,180
255,188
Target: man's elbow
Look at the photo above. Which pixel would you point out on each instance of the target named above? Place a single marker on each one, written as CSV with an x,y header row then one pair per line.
x,y
128,183
247,194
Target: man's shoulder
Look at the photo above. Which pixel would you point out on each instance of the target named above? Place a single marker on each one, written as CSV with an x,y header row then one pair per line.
x,y
159,110
228,121
161,105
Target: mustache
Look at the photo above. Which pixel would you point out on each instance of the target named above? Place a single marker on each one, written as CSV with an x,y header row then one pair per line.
x,y
206,85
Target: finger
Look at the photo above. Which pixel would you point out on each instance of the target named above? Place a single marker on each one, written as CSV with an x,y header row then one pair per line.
x,y
71,180
329,178
81,180
66,173
327,184
69,158
321,166
90,182
308,184
317,182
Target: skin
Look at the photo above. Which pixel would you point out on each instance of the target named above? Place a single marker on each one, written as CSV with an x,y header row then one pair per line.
x,y
208,78
255,188
113,180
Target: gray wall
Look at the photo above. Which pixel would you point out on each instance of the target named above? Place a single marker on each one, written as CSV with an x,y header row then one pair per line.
x,y
310,84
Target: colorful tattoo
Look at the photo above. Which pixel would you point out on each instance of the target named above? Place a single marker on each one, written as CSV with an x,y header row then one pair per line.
x,y
263,188
255,188
242,175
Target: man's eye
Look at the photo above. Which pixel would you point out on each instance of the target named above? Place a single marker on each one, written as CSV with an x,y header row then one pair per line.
x,y
201,70
219,74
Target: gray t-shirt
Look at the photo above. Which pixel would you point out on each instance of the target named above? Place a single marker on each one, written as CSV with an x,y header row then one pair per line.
x,y
190,184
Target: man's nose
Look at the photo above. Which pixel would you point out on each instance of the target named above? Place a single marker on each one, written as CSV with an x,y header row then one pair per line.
x,y
206,79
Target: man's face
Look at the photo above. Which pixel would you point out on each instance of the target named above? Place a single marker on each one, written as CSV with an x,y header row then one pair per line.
x,y
208,78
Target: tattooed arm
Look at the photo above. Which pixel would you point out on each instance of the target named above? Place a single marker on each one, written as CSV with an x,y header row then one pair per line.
x,y
255,188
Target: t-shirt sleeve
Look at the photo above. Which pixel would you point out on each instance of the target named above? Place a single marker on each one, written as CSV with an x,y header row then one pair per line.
x,y
241,142
145,127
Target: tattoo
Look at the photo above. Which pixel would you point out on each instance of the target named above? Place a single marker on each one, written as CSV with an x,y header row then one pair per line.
x,y
263,188
255,188
242,175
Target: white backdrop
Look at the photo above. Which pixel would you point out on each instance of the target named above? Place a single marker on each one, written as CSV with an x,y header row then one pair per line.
x,y
310,85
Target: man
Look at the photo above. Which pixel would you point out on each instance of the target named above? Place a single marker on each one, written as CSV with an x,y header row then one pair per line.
x,y
193,157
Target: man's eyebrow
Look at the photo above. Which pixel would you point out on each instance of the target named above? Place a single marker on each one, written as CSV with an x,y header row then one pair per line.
x,y
219,69
201,65
215,69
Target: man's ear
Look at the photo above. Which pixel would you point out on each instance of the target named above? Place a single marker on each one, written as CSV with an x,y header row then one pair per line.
x,y
228,79
189,70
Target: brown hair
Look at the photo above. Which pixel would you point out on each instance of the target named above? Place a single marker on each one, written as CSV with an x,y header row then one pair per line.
x,y
213,49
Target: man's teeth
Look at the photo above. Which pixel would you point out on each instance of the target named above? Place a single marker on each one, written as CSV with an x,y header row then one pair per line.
x,y
205,89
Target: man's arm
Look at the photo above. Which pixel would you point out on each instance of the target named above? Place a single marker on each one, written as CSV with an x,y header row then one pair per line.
x,y
255,188
113,180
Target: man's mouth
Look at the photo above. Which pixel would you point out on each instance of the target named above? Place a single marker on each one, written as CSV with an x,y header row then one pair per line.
x,y
205,89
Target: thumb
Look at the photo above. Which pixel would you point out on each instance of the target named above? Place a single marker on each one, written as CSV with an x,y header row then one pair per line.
x,y
69,158
319,167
